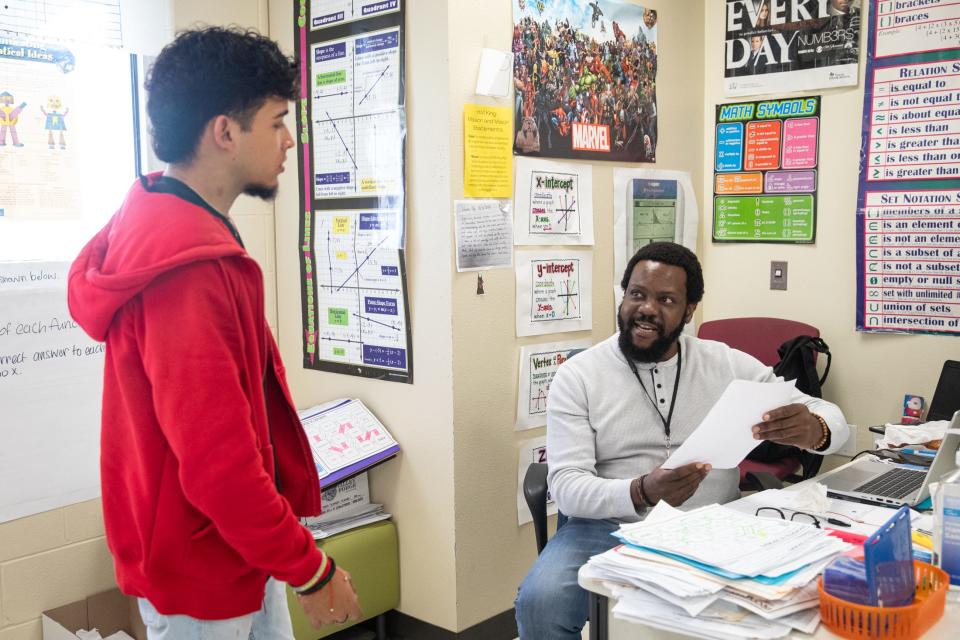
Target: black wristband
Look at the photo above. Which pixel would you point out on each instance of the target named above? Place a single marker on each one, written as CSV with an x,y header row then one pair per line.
x,y
323,582
643,494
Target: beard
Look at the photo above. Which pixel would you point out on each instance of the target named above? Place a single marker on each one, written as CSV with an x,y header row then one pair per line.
x,y
261,191
656,350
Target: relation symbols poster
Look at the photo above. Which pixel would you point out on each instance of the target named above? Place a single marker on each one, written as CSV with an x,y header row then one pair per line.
x,y
908,207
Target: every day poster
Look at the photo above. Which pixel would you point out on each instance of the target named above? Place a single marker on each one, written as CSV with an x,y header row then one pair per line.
x,y
585,76
776,46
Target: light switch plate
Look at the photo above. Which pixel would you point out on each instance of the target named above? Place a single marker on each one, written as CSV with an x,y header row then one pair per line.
x,y
778,275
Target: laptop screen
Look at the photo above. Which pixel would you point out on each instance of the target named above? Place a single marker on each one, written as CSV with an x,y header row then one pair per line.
x,y
946,399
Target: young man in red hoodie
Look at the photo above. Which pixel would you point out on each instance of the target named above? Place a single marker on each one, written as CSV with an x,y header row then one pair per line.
x,y
204,465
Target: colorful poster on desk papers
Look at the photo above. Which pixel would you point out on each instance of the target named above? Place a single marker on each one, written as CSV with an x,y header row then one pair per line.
x,y
908,206
765,171
790,45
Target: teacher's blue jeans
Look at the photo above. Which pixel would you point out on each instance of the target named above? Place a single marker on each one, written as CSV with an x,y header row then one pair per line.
x,y
550,604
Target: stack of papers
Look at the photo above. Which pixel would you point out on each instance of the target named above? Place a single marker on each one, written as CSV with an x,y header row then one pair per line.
x,y
346,520
345,506
714,572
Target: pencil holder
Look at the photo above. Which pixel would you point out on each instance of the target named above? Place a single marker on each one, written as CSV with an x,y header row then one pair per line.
x,y
856,621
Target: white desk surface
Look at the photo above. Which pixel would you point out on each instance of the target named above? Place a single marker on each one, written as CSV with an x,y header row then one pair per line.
x,y
944,629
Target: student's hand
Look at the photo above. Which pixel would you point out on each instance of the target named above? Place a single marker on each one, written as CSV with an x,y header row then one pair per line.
x,y
792,424
675,486
335,603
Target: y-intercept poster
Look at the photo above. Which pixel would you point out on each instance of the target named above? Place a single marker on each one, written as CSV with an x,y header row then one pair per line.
x,y
554,291
908,207
352,128
765,171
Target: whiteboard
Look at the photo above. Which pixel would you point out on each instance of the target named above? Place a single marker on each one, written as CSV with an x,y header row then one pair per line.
x,y
51,381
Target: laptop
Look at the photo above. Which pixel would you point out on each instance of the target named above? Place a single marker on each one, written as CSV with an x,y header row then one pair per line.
x,y
946,399
872,482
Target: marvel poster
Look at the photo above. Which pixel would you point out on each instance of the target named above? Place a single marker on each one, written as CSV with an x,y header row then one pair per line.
x,y
775,46
585,79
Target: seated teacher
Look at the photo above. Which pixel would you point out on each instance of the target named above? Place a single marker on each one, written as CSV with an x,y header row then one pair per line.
x,y
617,410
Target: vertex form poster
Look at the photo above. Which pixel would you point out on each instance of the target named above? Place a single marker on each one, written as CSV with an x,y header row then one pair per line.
x,y
532,450
538,365
765,171
650,205
554,203
908,206
352,126
585,78
554,291
777,46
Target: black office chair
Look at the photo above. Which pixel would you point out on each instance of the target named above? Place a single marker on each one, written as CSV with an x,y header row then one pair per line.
x,y
535,493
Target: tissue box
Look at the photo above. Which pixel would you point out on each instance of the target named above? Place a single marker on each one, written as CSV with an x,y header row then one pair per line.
x,y
109,612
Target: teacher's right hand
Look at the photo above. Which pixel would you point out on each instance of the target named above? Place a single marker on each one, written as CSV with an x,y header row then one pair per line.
x,y
675,486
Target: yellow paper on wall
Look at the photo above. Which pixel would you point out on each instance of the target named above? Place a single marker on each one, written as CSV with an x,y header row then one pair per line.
x,y
487,152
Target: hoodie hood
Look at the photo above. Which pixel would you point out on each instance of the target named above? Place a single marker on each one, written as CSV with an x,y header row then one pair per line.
x,y
154,232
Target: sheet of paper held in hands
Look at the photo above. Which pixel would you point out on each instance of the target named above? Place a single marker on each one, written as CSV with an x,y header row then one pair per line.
x,y
725,436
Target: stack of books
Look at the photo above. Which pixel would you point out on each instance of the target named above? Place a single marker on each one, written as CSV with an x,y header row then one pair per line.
x,y
714,572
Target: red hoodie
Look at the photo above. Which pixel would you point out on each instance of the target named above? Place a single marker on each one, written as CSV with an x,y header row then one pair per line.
x,y
203,462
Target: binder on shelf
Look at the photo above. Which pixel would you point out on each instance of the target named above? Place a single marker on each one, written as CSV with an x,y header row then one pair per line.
x,y
345,439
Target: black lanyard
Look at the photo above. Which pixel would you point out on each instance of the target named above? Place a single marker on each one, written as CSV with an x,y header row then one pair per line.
x,y
673,401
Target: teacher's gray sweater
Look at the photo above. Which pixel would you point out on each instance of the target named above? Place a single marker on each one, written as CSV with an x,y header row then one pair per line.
x,y
603,430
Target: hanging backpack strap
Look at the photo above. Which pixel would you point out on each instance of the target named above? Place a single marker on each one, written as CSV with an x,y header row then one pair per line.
x,y
823,348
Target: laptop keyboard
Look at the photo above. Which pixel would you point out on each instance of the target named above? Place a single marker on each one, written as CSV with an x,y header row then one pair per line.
x,y
895,483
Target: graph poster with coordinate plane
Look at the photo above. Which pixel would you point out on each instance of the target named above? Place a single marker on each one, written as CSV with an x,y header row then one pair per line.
x,y
352,128
765,171
908,205
554,291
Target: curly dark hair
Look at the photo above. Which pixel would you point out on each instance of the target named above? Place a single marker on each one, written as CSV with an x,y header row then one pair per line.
x,y
673,254
208,72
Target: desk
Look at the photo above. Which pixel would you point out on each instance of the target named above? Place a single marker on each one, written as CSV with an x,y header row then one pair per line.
x,y
604,626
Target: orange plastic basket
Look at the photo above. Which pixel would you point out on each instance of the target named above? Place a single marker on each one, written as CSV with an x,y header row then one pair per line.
x,y
857,621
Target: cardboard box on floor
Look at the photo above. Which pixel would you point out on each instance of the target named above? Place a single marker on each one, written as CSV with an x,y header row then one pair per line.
x,y
108,612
